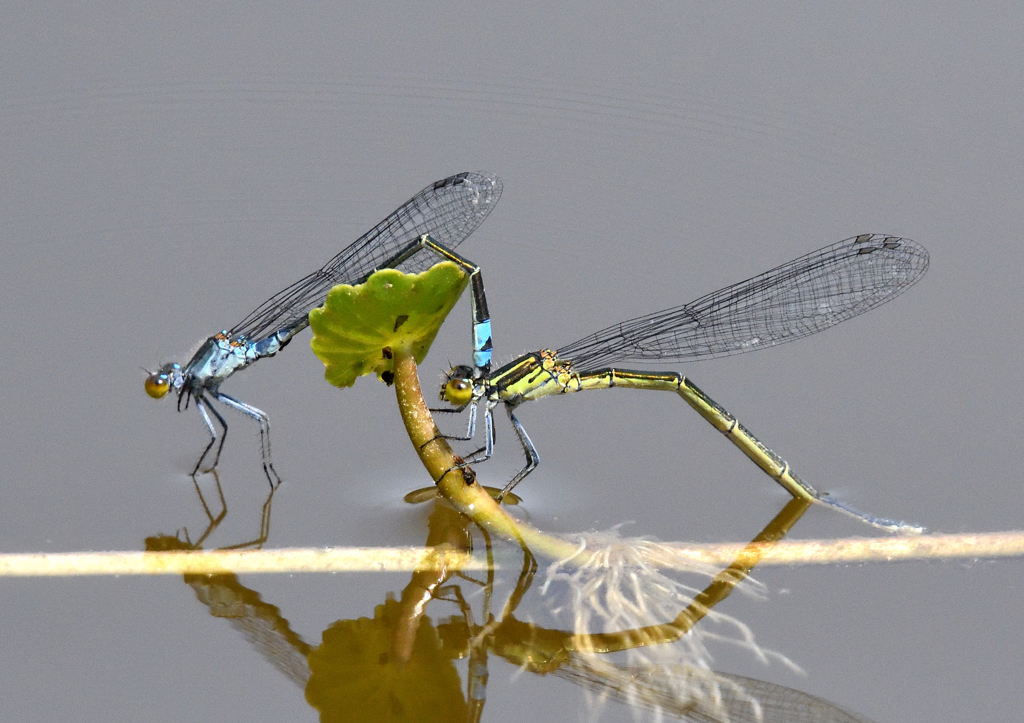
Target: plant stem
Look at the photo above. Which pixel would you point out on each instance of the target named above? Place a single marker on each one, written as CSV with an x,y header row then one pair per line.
x,y
458,485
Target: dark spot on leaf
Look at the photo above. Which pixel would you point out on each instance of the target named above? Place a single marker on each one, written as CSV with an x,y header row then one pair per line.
x,y
401,320
397,708
386,352
388,378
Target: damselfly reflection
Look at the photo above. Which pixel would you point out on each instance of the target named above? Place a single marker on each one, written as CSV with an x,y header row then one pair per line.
x,y
363,668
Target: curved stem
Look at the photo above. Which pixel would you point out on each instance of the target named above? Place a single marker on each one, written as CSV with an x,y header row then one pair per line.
x,y
458,485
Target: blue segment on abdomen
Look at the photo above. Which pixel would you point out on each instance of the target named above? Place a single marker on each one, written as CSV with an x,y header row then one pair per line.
x,y
482,343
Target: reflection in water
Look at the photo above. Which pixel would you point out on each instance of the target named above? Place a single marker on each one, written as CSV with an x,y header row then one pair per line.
x,y
743,700
394,666
399,666
213,521
259,622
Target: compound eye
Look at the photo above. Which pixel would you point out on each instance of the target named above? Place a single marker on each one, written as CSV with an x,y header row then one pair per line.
x,y
458,392
157,385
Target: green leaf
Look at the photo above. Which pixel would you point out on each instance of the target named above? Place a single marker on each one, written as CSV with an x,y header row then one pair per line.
x,y
359,327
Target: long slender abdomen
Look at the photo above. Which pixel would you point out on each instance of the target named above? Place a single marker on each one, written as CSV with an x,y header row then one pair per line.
x,y
768,461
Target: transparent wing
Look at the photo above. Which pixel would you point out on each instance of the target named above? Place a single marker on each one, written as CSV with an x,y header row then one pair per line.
x,y
791,301
449,210
259,622
702,696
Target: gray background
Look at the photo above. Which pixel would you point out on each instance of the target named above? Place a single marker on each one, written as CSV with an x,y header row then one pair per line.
x,y
165,170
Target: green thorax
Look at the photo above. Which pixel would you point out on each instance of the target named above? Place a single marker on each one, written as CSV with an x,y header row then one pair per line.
x,y
533,376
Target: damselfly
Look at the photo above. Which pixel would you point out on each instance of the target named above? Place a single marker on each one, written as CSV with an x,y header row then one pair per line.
x,y
448,210
797,299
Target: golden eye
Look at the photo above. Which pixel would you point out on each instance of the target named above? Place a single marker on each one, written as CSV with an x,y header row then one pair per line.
x,y
458,392
157,385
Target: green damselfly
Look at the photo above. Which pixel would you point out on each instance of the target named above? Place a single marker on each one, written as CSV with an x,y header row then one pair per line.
x,y
794,300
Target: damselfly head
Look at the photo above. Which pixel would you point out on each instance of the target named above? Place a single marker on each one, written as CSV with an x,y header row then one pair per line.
x,y
457,387
158,383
